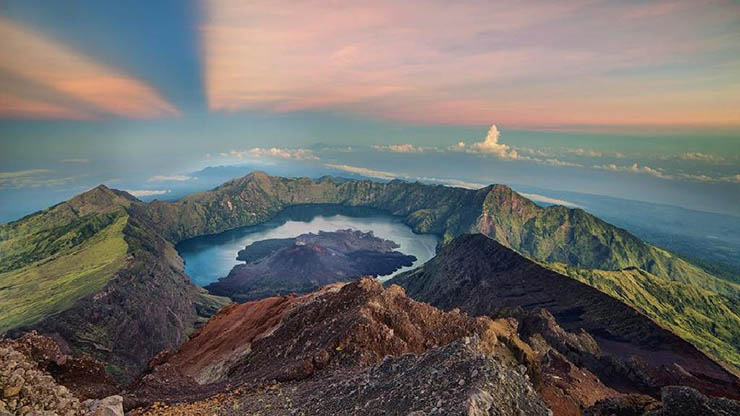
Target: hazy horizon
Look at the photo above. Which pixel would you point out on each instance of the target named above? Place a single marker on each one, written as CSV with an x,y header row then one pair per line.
x,y
139,96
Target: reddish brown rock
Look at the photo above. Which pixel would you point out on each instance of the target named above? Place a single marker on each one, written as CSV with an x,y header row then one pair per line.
x,y
83,375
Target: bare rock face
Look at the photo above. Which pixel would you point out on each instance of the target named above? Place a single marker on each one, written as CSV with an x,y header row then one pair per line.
x,y
109,406
458,379
358,348
27,388
675,401
623,347
358,325
83,375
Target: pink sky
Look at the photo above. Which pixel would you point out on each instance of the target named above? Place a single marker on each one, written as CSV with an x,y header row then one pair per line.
x,y
515,62
518,63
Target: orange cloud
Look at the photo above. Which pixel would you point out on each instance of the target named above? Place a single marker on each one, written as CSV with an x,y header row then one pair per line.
x,y
30,55
16,107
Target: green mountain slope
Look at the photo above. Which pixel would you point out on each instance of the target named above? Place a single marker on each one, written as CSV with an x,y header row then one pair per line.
x,y
554,234
101,269
706,319
87,270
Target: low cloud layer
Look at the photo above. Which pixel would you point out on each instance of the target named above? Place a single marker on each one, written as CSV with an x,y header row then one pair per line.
x,y
635,168
147,192
370,173
548,200
275,152
170,178
32,178
399,148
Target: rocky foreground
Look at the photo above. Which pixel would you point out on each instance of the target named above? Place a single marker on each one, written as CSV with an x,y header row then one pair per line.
x,y
347,349
37,378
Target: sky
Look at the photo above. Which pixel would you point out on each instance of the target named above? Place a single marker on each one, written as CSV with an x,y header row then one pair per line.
x,y
635,99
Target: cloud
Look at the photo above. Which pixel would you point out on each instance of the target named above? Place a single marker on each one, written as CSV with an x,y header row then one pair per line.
x,y
379,174
635,168
660,173
458,147
170,178
276,152
585,152
75,160
147,192
454,182
709,179
88,86
13,106
32,178
23,173
398,148
532,151
704,157
370,173
557,162
547,199
489,146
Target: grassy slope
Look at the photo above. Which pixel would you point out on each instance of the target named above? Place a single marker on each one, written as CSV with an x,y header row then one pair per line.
x,y
54,283
703,317
54,244
53,257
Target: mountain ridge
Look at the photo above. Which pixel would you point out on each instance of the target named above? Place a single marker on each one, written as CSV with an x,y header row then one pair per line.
x,y
149,231
482,277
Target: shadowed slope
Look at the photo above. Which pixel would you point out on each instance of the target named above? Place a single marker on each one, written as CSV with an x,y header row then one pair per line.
x,y
482,277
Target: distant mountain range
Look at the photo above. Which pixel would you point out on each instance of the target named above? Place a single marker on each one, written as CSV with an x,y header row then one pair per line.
x,y
100,270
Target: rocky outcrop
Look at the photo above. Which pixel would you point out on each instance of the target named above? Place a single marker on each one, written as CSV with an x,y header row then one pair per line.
x,y
625,349
458,379
303,264
83,375
363,341
674,401
358,325
26,386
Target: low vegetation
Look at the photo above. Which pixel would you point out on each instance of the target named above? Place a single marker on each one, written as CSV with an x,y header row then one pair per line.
x,y
705,318
51,285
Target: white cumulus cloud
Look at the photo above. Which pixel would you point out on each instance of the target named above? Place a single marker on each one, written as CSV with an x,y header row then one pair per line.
x,y
490,145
